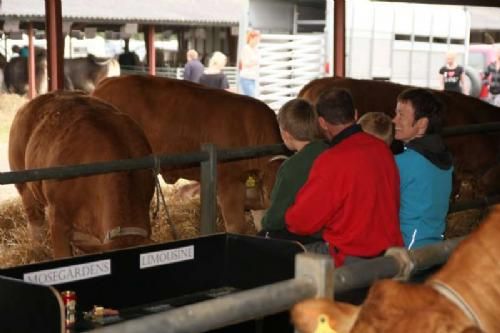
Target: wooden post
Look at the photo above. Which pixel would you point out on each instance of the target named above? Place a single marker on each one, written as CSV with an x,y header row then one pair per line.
x,y
339,38
31,63
150,35
55,44
208,196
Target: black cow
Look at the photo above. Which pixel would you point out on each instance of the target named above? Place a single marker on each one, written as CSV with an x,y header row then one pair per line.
x,y
16,73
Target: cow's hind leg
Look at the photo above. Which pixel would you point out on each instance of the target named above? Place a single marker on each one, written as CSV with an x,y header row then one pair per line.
x,y
34,212
231,197
60,232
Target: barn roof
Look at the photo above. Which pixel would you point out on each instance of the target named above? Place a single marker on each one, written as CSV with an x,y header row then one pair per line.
x,y
194,12
222,12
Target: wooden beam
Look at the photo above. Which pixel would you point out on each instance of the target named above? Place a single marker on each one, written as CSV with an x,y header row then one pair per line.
x,y
31,63
55,44
339,38
151,49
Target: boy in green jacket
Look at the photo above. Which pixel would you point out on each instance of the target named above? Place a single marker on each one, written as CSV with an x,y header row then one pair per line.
x,y
300,132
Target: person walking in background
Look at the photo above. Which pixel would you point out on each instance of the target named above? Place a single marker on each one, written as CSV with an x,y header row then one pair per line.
x,y
249,64
21,51
452,75
193,68
425,168
213,75
492,72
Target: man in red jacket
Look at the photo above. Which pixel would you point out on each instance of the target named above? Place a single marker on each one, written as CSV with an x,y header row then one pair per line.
x,y
352,192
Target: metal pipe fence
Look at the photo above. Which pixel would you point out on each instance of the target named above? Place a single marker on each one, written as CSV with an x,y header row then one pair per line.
x,y
208,170
401,264
224,311
313,277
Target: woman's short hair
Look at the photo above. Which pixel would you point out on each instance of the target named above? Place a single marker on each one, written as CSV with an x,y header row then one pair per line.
x,y
425,104
218,60
299,119
379,125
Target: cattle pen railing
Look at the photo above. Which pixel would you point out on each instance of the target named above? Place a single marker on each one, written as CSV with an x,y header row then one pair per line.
x,y
208,158
321,280
314,277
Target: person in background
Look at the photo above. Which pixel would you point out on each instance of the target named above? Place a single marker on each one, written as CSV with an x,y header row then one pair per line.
x,y
249,64
193,68
379,125
492,72
425,168
21,51
213,75
452,75
352,193
300,132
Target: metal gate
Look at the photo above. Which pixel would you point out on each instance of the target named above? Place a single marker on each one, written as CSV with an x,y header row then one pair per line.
x,y
287,63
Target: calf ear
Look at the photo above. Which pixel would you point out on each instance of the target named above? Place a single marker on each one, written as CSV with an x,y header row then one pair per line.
x,y
305,315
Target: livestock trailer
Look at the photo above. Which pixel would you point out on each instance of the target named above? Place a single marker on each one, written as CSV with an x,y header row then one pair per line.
x,y
144,280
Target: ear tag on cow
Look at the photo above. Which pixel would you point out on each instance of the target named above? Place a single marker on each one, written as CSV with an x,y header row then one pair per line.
x,y
250,182
323,325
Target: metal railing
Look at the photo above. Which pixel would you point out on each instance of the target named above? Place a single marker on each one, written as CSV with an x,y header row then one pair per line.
x,y
314,277
207,157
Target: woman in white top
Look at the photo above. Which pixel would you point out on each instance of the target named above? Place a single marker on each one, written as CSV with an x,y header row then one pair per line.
x,y
249,64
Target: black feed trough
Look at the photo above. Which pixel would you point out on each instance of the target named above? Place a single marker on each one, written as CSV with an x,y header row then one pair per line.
x,y
145,280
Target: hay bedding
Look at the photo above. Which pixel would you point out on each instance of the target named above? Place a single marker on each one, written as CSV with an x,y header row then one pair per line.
x,y
16,249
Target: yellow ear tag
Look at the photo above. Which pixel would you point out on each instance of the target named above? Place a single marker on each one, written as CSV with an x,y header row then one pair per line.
x,y
323,325
250,182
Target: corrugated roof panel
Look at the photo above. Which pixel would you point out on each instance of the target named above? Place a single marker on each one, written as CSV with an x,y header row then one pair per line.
x,y
160,11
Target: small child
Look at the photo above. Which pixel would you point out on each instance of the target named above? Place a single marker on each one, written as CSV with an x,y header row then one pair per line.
x,y
379,125
300,132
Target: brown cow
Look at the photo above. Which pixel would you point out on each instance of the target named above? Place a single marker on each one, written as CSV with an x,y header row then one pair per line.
x,y
177,116
92,213
475,156
464,296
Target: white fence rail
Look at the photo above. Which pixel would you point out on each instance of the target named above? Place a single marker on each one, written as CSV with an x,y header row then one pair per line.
x,y
288,62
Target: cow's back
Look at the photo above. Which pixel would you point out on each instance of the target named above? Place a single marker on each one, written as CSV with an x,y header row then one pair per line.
x,y
67,128
474,155
178,116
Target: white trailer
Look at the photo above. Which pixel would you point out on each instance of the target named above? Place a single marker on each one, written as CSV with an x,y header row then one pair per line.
x,y
400,42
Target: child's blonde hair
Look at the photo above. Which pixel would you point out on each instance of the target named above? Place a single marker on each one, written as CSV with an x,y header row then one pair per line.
x,y
379,125
217,61
299,119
